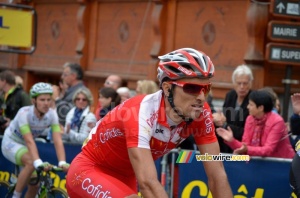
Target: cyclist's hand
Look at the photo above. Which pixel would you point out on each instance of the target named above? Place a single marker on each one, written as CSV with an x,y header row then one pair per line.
x,y
40,165
64,165
45,166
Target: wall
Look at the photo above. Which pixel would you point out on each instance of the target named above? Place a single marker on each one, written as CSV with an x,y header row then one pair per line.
x,y
125,37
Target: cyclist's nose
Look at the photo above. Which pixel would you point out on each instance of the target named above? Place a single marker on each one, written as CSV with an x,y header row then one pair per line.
x,y
201,96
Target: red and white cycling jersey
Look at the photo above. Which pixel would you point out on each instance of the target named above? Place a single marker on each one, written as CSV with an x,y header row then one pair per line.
x,y
141,122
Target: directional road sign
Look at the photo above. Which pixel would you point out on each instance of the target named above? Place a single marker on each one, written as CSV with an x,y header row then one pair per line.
x,y
282,31
283,54
285,8
18,27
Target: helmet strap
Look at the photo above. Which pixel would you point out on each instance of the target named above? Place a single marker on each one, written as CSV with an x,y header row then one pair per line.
x,y
171,101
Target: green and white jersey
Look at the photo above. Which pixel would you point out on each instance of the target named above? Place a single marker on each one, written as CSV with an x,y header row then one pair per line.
x,y
27,122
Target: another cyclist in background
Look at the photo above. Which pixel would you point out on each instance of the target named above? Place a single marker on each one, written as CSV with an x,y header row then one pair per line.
x,y
121,149
18,144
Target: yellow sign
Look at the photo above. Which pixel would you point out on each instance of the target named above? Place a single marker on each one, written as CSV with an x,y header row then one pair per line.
x,y
16,27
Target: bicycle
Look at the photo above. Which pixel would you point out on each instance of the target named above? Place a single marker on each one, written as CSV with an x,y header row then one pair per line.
x,y
46,188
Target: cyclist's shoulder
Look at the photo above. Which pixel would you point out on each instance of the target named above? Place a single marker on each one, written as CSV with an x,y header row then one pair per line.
x,y
25,109
51,113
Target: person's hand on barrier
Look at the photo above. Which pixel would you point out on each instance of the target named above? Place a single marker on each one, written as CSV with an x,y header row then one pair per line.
x,y
242,150
64,165
226,134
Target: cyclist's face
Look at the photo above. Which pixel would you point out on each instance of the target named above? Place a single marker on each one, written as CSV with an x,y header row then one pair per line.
x,y
189,105
43,102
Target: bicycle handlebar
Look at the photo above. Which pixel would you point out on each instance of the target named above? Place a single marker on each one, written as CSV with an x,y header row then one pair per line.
x,y
53,168
40,169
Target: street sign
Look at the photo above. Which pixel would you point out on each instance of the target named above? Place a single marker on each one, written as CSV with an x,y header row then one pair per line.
x,y
285,8
18,28
283,54
284,31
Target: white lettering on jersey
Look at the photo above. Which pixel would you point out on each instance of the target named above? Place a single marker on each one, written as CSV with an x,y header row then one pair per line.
x,y
208,122
152,118
109,134
93,190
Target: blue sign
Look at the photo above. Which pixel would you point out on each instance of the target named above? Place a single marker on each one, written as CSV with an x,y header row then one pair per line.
x,y
258,178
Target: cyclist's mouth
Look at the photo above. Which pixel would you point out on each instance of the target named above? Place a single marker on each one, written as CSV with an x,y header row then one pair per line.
x,y
197,107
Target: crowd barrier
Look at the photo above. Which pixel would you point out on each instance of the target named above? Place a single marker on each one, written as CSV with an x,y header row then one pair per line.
x,y
258,178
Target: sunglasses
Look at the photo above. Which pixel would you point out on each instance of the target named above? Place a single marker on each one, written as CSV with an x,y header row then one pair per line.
x,y
82,99
109,83
191,88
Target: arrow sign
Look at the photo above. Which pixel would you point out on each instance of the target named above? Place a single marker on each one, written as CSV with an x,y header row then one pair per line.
x,y
283,54
285,8
280,7
282,31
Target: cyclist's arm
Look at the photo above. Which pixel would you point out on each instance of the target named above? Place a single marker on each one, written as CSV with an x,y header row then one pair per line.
x,y
145,171
217,178
32,148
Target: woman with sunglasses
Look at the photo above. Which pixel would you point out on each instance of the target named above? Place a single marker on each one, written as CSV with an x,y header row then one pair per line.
x,y
121,149
80,120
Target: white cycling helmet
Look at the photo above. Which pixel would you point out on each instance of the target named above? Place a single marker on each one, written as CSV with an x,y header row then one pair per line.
x,y
40,88
184,63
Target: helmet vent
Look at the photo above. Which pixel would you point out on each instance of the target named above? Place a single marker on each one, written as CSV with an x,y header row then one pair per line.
x,y
188,67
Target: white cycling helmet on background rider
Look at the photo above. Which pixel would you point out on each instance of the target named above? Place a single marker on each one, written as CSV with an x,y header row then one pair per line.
x,y
184,63
40,88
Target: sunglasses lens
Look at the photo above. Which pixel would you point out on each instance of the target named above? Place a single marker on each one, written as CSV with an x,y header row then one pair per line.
x,y
196,89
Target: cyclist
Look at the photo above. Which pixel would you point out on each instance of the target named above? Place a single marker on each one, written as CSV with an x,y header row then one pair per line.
x,y
122,147
18,144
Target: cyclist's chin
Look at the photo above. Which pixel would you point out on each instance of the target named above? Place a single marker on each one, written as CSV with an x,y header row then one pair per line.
x,y
44,110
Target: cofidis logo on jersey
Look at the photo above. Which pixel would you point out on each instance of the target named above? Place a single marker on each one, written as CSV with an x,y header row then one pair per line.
x,y
208,121
87,185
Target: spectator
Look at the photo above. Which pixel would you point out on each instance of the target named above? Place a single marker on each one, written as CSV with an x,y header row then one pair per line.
x,y
19,81
13,98
275,99
108,98
235,105
295,118
113,81
146,87
72,76
80,120
295,127
265,131
124,93
295,171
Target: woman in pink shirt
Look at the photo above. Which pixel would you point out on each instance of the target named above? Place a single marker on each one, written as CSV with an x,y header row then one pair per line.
x,y
265,132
